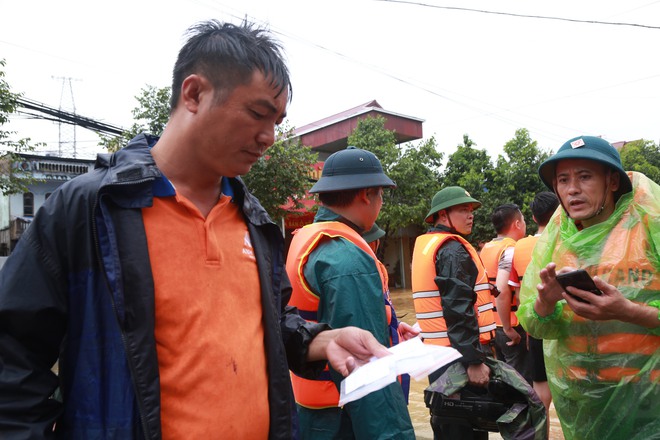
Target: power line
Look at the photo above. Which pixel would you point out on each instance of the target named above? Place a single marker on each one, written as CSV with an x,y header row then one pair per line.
x,y
461,100
58,115
511,14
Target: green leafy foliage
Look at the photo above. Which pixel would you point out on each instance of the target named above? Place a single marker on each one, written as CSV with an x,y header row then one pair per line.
x,y
414,168
516,180
417,176
513,180
281,178
472,170
13,180
371,135
150,115
642,156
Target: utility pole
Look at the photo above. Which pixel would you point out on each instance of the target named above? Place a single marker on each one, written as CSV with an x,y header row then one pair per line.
x,y
67,132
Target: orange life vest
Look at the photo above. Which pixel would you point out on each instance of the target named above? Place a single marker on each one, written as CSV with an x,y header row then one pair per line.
x,y
623,263
426,296
490,255
322,392
522,254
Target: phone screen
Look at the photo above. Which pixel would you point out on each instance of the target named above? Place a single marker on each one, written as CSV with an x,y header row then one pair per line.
x,y
579,279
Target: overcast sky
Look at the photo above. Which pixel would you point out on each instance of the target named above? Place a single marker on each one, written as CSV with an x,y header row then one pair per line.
x,y
480,71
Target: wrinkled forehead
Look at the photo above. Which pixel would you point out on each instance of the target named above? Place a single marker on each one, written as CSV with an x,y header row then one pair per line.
x,y
570,166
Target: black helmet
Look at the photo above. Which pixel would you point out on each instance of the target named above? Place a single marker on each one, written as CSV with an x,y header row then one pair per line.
x,y
351,168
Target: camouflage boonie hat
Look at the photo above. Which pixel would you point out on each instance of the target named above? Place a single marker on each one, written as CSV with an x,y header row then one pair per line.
x,y
522,416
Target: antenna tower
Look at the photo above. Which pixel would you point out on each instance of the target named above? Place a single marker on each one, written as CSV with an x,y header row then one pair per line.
x,y
67,132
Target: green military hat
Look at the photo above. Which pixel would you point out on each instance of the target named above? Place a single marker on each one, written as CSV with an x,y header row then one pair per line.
x,y
373,234
448,197
590,148
352,168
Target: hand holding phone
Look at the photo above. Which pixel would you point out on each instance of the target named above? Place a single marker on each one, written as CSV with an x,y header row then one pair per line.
x,y
580,279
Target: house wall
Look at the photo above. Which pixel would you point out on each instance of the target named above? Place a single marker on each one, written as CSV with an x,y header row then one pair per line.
x,y
50,172
4,211
39,190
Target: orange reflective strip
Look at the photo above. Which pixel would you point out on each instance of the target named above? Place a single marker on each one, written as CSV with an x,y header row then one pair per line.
x,y
612,374
616,374
427,305
615,343
433,325
655,376
439,341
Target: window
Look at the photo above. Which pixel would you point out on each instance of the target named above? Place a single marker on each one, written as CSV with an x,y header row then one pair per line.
x,y
28,204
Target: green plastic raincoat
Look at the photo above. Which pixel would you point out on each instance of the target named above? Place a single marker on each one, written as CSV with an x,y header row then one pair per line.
x,y
604,375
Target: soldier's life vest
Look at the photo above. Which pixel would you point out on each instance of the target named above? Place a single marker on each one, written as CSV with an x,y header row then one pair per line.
x,y
426,296
490,255
321,392
629,348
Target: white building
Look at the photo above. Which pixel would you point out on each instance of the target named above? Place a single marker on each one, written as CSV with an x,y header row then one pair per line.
x,y
17,210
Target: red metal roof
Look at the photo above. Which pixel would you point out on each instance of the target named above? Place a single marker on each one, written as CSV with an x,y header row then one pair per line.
x,y
330,134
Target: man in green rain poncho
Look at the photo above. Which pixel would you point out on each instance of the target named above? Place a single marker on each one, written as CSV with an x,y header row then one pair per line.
x,y
602,352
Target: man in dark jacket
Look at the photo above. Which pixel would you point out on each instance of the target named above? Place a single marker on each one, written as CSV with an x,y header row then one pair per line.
x,y
158,281
447,279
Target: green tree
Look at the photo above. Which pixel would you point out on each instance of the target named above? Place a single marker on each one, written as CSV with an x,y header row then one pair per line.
x,y
469,168
414,168
516,178
642,156
416,173
371,135
13,180
281,178
473,170
150,116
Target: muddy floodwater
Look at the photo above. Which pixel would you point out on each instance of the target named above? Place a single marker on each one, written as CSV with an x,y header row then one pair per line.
x,y
403,304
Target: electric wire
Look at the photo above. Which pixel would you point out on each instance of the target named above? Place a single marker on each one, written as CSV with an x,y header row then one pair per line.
x,y
511,14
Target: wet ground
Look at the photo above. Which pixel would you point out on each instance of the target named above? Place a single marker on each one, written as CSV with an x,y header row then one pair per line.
x,y
403,304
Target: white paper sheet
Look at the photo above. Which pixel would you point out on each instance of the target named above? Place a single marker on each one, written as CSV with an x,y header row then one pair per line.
x,y
411,357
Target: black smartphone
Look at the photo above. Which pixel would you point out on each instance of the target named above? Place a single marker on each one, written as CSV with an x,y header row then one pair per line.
x,y
578,278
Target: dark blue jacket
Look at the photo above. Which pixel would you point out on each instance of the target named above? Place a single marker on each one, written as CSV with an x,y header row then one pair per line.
x,y
78,288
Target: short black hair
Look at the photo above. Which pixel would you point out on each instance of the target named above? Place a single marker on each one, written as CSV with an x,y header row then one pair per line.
x,y
227,55
543,206
339,199
504,215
